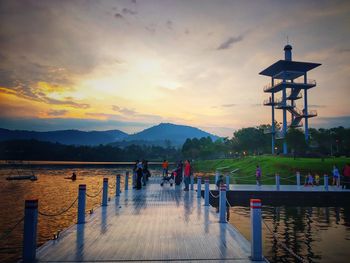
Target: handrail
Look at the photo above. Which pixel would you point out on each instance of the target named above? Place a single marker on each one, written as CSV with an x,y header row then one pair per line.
x,y
296,81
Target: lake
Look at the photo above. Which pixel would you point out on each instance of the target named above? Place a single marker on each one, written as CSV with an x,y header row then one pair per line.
x,y
320,234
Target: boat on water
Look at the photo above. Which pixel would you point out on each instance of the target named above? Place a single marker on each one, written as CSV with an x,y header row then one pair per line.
x,y
22,173
22,177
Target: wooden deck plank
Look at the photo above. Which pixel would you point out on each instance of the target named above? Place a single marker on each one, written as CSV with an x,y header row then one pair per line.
x,y
153,224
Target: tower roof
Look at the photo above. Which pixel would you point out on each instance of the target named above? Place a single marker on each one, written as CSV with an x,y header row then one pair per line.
x,y
292,66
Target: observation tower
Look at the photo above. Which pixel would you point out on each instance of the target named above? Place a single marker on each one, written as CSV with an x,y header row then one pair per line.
x,y
289,84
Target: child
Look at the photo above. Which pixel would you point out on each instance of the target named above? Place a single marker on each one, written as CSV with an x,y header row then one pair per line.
x,y
309,180
336,176
317,179
220,181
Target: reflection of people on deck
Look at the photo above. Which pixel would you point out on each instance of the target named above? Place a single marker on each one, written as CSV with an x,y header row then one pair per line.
x,y
73,177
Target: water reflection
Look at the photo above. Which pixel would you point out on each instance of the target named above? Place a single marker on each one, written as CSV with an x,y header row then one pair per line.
x,y
80,242
318,234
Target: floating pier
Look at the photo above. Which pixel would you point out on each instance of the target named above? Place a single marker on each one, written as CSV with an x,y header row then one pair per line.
x,y
153,224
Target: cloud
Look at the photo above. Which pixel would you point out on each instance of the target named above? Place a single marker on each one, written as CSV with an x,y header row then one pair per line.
x,y
344,50
169,24
125,111
317,106
119,16
229,42
133,2
51,124
127,11
228,105
57,113
39,94
331,122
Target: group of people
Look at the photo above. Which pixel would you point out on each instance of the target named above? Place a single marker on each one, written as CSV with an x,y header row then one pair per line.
x,y
311,180
338,179
182,171
140,174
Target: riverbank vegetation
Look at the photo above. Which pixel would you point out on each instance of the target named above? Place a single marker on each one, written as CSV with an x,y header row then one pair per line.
x,y
286,167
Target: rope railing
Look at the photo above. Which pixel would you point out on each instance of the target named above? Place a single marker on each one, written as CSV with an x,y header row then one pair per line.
x,y
93,196
58,213
214,196
8,232
283,245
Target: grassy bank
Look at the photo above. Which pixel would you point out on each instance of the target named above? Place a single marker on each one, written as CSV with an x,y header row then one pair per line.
x,y
284,166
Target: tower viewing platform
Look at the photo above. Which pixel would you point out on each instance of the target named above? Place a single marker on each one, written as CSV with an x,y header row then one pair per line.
x,y
289,78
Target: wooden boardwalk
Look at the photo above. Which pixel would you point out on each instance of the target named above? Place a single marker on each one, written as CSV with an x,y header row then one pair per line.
x,y
153,224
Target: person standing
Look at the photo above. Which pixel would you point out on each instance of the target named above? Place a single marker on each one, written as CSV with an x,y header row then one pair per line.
x,y
187,174
336,176
258,175
346,178
165,166
139,175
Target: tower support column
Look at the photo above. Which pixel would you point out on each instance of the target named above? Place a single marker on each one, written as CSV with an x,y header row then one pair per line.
x,y
273,119
284,128
305,111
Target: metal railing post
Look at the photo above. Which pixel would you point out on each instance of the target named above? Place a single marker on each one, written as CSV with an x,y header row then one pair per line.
x,y
192,182
30,230
117,185
325,178
105,192
81,203
222,204
199,187
277,182
298,180
217,174
256,229
206,192
126,181
227,182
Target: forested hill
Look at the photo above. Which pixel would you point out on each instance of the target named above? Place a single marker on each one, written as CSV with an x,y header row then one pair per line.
x,y
175,134
164,134
70,137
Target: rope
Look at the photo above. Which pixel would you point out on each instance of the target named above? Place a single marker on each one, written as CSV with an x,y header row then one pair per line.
x,y
60,213
9,231
111,187
214,195
93,196
284,246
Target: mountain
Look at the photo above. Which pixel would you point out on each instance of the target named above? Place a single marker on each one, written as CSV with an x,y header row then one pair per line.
x,y
164,134
175,134
70,137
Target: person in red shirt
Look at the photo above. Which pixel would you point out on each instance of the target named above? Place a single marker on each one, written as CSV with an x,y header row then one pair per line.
x,y
346,178
187,174
165,166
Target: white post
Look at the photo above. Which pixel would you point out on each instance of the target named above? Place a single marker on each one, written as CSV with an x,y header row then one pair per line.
x,y
30,230
227,182
325,182
277,182
117,185
199,187
222,204
192,182
126,186
206,192
81,203
298,180
256,233
105,192
217,174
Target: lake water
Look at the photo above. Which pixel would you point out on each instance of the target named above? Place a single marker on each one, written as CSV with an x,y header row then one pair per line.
x,y
320,234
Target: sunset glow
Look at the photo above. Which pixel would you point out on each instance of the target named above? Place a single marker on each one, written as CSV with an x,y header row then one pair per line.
x,y
132,64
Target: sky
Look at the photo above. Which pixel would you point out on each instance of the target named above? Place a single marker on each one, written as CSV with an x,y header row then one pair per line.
x,y
129,65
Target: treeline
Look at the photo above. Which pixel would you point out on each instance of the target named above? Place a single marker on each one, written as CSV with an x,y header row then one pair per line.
x,y
254,141
39,150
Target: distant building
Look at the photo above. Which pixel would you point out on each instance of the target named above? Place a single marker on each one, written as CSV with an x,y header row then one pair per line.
x,y
289,79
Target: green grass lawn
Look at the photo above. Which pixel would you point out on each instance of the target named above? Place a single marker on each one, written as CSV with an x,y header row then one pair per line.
x,y
284,166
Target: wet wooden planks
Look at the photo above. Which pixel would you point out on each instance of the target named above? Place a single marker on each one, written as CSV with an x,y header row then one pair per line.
x,y
153,224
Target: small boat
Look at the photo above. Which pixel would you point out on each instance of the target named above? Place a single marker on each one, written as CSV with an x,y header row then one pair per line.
x,y
22,177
